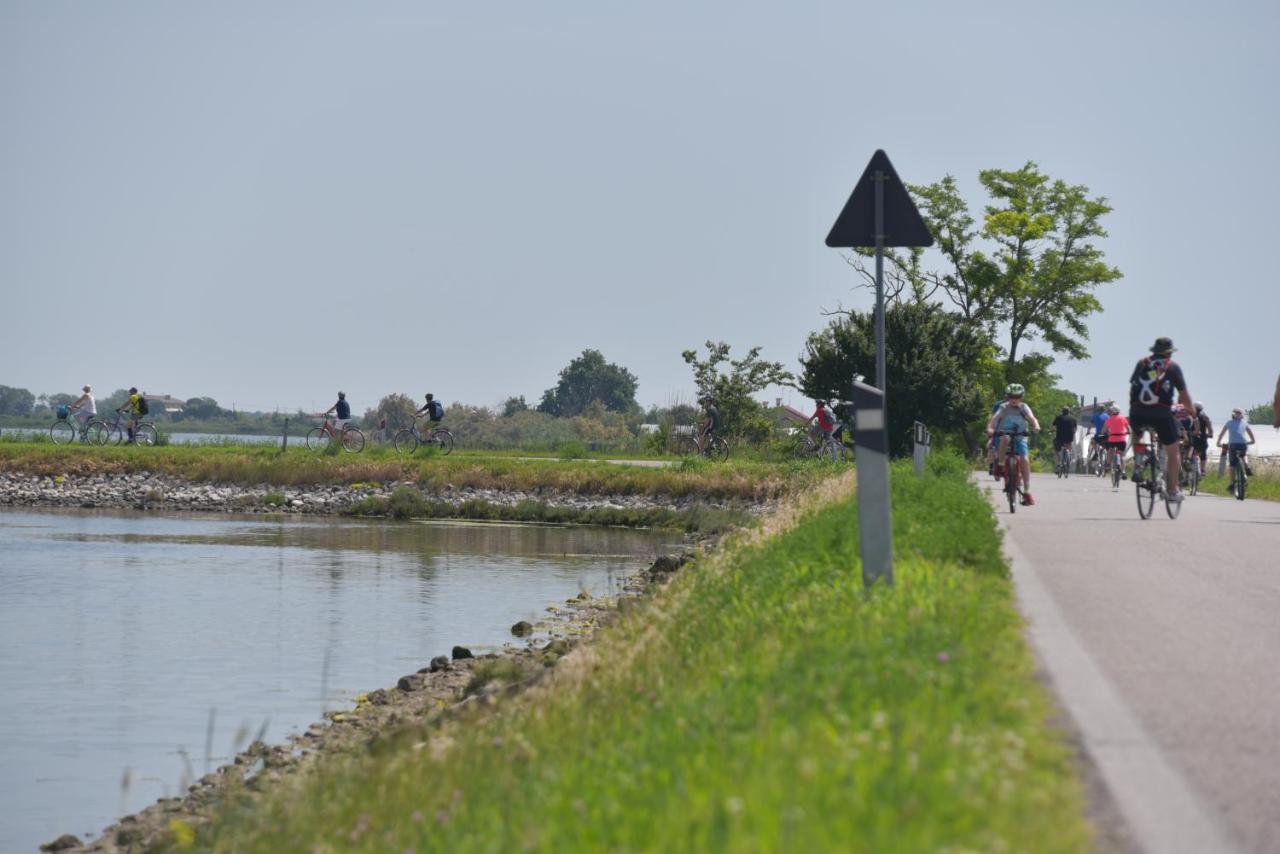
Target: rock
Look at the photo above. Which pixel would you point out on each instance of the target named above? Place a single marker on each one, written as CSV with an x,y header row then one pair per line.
x,y
556,648
412,682
379,697
439,663
460,652
297,502
522,629
667,564
62,843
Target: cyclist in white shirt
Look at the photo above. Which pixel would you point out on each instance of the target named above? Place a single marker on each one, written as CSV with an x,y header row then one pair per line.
x,y
85,407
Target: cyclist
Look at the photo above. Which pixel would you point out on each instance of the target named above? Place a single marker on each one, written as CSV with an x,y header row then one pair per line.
x,y
1239,437
85,407
133,408
1152,386
1117,430
1014,416
1098,421
993,445
712,424
1064,431
1200,440
341,412
433,409
826,424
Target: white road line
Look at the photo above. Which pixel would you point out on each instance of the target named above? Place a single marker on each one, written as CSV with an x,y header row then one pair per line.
x,y
1160,808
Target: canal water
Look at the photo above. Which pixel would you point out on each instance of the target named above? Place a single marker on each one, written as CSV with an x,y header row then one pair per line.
x,y
122,637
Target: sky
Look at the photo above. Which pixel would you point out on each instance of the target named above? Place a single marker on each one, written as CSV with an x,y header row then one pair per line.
x,y
266,203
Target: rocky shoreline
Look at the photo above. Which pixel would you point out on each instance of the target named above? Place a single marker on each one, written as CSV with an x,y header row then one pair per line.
x,y
446,688
151,491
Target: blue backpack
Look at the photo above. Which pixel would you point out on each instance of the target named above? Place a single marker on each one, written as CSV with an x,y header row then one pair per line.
x,y
436,410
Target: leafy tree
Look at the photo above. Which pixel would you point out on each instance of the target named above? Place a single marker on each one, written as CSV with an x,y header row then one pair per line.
x,y
1028,272
49,402
512,405
16,401
589,377
731,384
1263,413
938,367
202,408
396,409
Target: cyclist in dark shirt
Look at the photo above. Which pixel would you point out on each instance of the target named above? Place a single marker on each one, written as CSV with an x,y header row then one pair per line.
x,y
1200,442
1064,427
712,424
341,411
1152,387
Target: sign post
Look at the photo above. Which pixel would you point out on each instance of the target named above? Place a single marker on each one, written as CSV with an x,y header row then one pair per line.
x,y
879,214
875,522
920,445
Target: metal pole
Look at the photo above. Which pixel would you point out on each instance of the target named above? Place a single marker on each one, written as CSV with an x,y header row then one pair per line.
x,y
880,178
284,441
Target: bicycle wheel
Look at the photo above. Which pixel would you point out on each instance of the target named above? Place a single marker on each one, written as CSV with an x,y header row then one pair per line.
x,y
117,434
1011,476
62,433
1146,485
406,442
445,439
1193,477
1241,479
97,432
688,447
318,439
719,449
352,440
145,434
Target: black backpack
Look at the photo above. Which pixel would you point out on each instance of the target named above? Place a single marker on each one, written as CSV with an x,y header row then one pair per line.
x,y
436,411
142,405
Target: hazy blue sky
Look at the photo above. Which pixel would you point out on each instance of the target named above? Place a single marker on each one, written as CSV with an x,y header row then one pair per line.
x,y
268,202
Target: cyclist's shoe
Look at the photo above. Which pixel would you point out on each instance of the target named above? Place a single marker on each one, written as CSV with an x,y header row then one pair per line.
x,y
1175,497
1027,500
999,472
1137,474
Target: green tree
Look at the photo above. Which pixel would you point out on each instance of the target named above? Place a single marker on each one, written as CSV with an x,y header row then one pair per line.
x,y
590,378
512,405
16,401
731,384
938,367
1028,272
396,409
1263,413
202,408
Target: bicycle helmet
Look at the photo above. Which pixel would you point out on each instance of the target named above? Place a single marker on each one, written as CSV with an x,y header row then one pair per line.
x,y
1014,390
430,396
1199,406
342,395
88,389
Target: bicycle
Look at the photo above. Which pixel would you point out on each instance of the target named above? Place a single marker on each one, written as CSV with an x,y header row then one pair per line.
x,y
1116,463
407,441
1190,471
829,448
1013,490
350,437
1063,466
117,432
1239,473
1097,460
63,431
1149,480
717,447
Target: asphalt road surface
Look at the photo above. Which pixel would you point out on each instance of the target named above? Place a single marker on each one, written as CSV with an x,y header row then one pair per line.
x,y
1162,639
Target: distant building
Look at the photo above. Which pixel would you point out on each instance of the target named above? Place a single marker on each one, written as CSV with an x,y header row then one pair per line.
x,y
164,402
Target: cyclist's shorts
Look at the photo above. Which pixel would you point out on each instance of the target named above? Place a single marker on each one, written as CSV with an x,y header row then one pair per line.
x,y
341,423
1117,444
1059,444
1201,444
1236,449
1161,422
1019,446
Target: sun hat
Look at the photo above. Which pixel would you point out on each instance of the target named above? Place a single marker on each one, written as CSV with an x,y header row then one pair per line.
x,y
1163,345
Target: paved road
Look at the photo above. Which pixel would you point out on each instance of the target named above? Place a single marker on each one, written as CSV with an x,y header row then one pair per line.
x,y
1163,640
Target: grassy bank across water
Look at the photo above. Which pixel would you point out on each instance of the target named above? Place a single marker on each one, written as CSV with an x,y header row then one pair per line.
x,y
761,701
734,480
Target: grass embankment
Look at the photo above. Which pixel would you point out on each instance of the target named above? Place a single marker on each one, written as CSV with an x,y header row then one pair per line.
x,y
761,701
1264,485
735,480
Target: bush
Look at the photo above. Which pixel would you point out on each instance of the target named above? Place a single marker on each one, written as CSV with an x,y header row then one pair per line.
x,y
572,450
406,503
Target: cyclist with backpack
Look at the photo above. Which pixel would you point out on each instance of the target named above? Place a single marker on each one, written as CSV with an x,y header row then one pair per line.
x,y
712,424
1155,380
433,409
1064,431
135,407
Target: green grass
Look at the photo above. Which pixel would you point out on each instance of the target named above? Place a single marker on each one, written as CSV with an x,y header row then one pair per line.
x,y
746,480
1264,485
762,701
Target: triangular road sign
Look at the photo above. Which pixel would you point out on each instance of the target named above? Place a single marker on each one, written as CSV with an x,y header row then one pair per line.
x,y
856,225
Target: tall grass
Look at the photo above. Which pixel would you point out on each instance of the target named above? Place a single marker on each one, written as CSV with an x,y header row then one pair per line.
x,y
762,702
1264,485
734,480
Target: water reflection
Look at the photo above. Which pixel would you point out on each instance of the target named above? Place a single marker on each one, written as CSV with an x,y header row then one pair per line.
x,y
122,636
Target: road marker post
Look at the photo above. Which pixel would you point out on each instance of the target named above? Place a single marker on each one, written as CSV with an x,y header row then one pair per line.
x,y
920,444
875,522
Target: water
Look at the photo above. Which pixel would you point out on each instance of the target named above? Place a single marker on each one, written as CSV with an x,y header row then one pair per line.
x,y
190,438
120,633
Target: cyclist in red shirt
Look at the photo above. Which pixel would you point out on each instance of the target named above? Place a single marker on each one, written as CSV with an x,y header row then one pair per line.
x,y
826,423
1117,428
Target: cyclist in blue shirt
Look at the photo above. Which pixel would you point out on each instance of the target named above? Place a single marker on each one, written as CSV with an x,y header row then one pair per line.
x,y
1239,438
341,412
